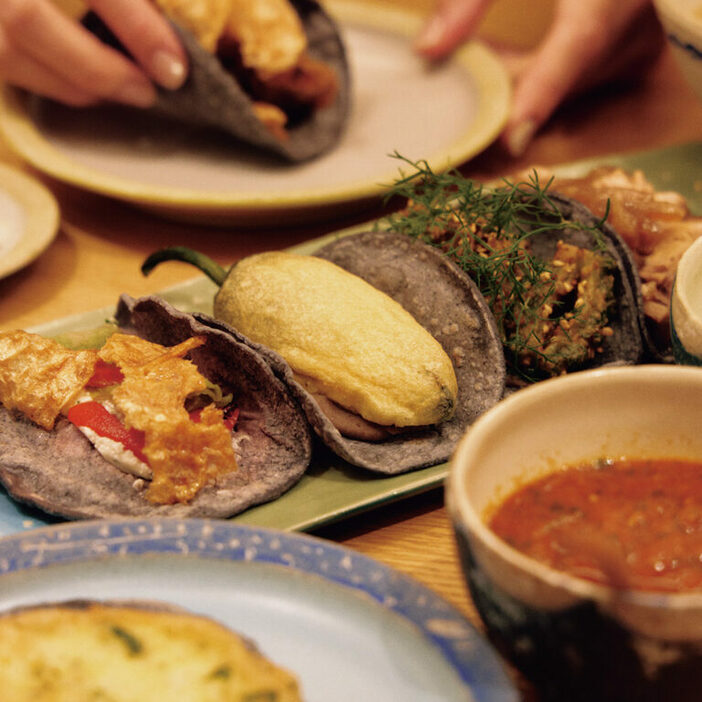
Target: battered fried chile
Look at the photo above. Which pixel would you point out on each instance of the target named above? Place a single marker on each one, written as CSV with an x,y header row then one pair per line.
x,y
133,392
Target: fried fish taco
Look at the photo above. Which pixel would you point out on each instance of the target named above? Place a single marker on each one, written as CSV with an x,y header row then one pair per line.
x,y
271,73
170,417
390,349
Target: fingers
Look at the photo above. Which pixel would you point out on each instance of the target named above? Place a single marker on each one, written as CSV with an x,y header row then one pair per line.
x,y
453,22
147,36
45,52
27,73
580,50
545,82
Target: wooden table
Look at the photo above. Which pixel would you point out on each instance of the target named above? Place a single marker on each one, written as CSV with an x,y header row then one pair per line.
x,y
101,244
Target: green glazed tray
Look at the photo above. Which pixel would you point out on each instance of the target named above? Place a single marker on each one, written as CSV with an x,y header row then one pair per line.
x,y
331,489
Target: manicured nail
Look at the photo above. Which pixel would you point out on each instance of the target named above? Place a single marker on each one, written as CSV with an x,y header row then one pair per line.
x,y
520,136
136,93
168,70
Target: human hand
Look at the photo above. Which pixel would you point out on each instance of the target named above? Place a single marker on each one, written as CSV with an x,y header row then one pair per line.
x,y
46,52
588,44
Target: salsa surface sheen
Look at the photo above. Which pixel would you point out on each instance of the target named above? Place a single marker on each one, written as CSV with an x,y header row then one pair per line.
x,y
630,524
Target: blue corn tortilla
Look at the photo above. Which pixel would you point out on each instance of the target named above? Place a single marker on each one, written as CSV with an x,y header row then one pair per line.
x,y
630,343
446,302
60,472
212,97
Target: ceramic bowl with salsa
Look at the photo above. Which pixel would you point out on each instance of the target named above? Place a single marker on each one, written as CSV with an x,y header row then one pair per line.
x,y
577,509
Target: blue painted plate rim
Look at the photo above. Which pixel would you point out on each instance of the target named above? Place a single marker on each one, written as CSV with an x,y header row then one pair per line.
x,y
461,645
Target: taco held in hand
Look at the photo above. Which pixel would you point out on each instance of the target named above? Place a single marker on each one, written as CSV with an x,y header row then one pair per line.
x,y
271,73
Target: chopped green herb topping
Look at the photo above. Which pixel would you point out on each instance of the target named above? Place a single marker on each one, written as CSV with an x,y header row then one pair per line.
x,y
134,646
223,672
263,696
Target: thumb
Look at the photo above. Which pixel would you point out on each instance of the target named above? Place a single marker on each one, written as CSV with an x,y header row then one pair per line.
x,y
453,22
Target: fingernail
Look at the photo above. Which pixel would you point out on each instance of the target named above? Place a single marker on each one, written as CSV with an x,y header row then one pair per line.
x,y
520,136
136,93
168,70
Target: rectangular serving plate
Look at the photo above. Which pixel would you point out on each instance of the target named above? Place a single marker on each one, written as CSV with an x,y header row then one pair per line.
x,y
331,489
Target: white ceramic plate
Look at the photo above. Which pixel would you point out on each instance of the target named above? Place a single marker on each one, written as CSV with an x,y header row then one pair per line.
x,y
350,628
29,218
445,115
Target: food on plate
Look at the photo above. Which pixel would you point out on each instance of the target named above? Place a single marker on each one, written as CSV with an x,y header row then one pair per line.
x,y
656,225
561,284
136,428
344,339
631,523
271,73
144,406
82,650
389,380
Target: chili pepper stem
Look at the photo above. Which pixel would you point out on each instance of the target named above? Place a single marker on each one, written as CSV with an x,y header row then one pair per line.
x,y
216,273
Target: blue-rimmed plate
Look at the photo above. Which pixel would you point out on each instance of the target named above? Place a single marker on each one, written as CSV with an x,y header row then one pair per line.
x,y
351,628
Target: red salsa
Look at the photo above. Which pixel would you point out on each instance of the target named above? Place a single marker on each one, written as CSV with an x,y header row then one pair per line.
x,y
631,523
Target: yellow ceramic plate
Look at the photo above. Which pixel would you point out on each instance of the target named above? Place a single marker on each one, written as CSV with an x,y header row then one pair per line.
x,y
29,218
445,114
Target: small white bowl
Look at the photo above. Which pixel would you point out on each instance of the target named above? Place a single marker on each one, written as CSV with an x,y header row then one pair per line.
x,y
686,307
578,640
682,22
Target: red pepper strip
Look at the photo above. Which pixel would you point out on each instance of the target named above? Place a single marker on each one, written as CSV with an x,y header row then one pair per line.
x,y
231,416
93,415
105,374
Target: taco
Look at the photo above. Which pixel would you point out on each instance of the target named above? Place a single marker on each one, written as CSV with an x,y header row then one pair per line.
x,y
270,73
312,357
212,434
629,341
561,283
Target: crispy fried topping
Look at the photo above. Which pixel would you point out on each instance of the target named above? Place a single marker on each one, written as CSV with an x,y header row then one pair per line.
x,y
40,377
270,34
183,455
205,19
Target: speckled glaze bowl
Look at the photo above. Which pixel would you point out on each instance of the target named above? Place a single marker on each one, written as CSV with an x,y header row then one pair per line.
x,y
682,22
686,307
577,640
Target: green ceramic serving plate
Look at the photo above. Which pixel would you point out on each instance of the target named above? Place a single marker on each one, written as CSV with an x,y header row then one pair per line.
x,y
332,490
